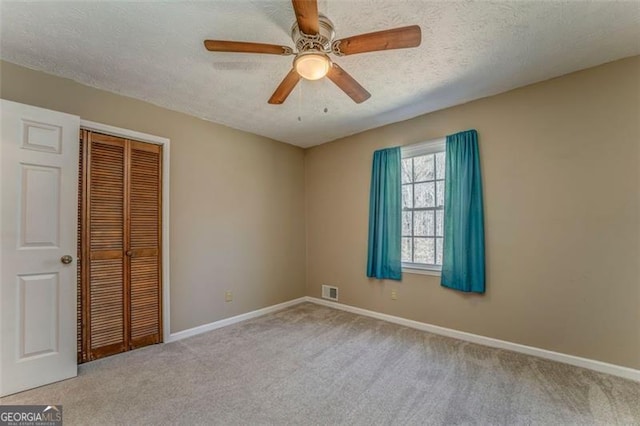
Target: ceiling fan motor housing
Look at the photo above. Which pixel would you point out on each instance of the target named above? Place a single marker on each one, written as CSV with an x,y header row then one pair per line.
x,y
319,42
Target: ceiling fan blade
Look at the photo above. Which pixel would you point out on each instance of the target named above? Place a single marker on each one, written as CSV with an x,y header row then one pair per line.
x,y
245,47
307,16
348,84
396,38
285,88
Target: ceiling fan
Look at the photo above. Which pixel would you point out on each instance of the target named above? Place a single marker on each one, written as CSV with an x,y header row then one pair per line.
x,y
313,35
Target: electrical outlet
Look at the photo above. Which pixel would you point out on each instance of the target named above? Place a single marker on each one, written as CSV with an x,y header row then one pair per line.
x,y
228,296
394,294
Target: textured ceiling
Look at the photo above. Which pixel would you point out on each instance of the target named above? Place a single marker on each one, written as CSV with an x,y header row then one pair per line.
x,y
153,51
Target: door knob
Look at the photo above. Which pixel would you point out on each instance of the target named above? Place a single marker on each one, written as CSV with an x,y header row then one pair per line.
x,y
129,253
66,259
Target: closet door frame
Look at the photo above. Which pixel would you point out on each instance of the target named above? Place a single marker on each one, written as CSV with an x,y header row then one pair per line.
x,y
157,140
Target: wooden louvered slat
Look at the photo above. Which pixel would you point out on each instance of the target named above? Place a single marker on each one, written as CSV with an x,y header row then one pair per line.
x,y
107,197
144,243
106,304
144,297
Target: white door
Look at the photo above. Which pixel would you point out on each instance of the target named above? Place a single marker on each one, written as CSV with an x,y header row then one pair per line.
x,y
39,201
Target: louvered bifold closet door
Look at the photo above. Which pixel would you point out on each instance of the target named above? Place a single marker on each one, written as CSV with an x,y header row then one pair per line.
x,y
144,242
120,274
105,276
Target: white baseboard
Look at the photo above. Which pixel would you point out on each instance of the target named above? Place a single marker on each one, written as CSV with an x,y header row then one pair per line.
x,y
603,367
232,320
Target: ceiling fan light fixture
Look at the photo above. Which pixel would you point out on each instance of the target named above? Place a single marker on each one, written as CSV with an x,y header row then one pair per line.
x,y
312,65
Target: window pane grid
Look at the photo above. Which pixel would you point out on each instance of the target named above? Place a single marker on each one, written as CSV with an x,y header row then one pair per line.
x,y
422,209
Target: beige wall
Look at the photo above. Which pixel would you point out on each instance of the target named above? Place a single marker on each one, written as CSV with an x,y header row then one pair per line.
x,y
561,164
237,199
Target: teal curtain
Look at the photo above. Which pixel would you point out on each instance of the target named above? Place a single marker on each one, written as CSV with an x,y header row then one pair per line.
x,y
463,259
385,216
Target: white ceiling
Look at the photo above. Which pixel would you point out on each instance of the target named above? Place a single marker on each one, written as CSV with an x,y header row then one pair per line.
x,y
153,51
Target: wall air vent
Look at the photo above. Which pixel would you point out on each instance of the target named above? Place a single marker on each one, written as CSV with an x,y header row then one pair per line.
x,y
329,292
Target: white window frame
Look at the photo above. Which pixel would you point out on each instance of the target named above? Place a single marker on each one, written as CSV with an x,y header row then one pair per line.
x,y
423,148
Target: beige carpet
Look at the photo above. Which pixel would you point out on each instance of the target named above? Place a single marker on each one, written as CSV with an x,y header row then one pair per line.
x,y
315,365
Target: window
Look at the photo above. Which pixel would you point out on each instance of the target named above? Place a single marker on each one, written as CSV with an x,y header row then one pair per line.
x,y
423,167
